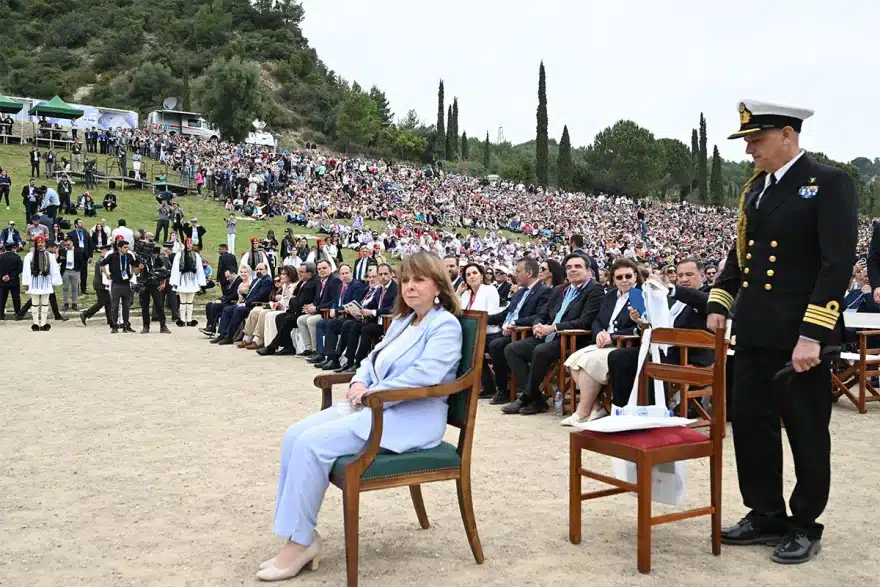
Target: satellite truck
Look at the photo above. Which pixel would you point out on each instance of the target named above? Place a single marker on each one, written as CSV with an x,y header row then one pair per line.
x,y
191,124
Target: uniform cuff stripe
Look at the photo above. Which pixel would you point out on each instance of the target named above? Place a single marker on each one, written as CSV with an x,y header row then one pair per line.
x,y
823,311
719,296
819,320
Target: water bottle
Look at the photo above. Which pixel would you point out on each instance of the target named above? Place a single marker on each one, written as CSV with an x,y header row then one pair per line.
x,y
557,401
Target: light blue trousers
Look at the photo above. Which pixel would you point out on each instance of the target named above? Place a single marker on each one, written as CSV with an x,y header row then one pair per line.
x,y
309,449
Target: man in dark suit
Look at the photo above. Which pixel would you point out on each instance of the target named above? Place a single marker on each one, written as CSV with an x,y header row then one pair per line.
x,y
11,237
309,283
571,306
789,270
82,242
10,270
351,290
687,306
226,262
452,267
338,332
214,309
362,265
232,316
502,283
31,198
364,334
521,311
328,294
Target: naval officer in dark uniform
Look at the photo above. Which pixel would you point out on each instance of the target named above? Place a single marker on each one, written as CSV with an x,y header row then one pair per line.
x,y
790,267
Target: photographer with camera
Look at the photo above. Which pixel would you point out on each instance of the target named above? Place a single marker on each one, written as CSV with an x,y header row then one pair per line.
x,y
151,282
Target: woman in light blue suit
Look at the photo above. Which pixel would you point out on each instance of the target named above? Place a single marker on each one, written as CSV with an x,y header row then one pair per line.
x,y
421,348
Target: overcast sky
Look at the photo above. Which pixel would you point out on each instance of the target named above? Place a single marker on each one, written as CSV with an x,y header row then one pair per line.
x,y
657,63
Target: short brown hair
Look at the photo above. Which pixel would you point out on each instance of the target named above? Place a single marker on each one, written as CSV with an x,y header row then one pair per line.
x,y
426,264
623,262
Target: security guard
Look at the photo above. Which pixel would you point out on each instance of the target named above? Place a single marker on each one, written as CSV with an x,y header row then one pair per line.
x,y
790,267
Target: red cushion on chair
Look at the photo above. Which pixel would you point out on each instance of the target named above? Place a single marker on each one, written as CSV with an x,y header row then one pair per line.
x,y
651,438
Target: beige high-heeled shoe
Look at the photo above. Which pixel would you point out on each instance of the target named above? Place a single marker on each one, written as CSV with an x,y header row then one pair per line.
x,y
269,572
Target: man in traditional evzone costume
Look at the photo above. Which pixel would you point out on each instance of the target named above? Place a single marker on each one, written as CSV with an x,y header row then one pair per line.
x,y
187,279
39,277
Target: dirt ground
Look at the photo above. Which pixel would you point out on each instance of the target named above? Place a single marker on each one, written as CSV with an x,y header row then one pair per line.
x,y
152,460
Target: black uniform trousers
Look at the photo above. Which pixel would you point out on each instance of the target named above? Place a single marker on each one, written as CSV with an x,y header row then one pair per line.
x,y
496,378
332,335
171,301
6,292
53,303
530,360
102,301
84,277
804,405
147,293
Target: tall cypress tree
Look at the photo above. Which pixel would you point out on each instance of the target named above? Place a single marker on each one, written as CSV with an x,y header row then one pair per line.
x,y
716,188
542,148
449,130
441,126
487,152
563,160
695,155
703,173
454,125
464,145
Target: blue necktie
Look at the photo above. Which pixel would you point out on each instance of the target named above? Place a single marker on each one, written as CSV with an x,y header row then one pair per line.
x,y
570,294
511,318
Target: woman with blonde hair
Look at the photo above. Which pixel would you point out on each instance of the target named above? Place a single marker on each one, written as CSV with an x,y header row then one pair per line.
x,y
421,348
259,320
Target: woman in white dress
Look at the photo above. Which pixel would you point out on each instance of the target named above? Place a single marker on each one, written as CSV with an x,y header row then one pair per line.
x,y
260,325
476,295
39,277
187,279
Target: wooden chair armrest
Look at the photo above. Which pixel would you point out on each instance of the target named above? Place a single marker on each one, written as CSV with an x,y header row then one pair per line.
x,y
521,328
378,398
625,340
867,333
573,332
326,382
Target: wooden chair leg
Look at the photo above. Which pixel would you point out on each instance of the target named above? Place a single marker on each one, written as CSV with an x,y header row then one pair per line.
x,y
351,498
466,505
326,397
715,489
415,491
574,493
643,489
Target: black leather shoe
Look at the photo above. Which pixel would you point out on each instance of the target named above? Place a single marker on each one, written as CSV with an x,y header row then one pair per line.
x,y
486,394
746,533
286,351
216,340
330,365
513,407
306,354
538,407
322,364
796,548
499,398
224,341
265,352
316,359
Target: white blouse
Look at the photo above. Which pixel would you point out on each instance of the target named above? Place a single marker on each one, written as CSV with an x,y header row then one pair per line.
x,y
486,300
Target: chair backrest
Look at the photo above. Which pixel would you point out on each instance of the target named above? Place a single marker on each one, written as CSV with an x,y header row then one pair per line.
x,y
688,374
473,342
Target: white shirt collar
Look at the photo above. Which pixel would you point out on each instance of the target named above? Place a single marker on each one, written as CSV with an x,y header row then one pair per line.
x,y
782,170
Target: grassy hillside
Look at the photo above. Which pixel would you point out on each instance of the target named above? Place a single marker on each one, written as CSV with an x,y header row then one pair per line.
x,y
138,207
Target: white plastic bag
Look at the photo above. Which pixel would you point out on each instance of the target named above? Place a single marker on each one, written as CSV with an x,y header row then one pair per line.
x,y
667,479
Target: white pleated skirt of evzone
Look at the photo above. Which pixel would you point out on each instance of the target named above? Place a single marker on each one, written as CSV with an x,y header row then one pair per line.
x,y
41,285
189,283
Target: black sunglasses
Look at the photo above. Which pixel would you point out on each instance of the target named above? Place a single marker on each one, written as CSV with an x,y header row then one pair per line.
x,y
625,276
543,268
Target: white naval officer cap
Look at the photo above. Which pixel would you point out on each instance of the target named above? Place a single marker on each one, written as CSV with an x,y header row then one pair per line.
x,y
755,116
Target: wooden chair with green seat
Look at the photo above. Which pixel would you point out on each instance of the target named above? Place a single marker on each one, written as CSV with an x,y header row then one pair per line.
x,y
374,468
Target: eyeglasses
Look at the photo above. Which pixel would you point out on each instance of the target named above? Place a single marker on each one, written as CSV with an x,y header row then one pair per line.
x,y
623,276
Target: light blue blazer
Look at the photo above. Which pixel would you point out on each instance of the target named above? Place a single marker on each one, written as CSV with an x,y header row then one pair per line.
x,y
431,358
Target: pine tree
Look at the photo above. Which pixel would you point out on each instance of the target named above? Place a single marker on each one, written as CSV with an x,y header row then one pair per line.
x,y
454,125
542,149
563,160
441,126
487,152
382,105
703,170
464,145
695,155
716,188
449,130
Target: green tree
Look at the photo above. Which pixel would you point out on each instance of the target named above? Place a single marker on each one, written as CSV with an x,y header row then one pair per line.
x,y
383,107
716,188
677,167
229,94
410,121
626,159
441,126
464,145
703,170
695,155
450,128
564,167
454,126
408,145
542,153
487,152
358,120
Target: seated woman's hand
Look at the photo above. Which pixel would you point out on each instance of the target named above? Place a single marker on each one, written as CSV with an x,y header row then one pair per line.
x,y
603,339
355,394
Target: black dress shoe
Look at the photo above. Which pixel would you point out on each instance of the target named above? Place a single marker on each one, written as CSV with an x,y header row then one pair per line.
x,y
513,407
538,407
486,394
61,318
330,365
285,352
206,331
746,532
321,364
224,341
180,323
82,318
796,548
499,398
265,352
306,354
316,359
216,340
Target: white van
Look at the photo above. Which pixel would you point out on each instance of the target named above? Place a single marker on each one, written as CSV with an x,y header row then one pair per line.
x,y
184,123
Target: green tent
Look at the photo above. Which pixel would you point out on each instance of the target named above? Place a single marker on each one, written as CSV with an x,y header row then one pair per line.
x,y
56,108
9,106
